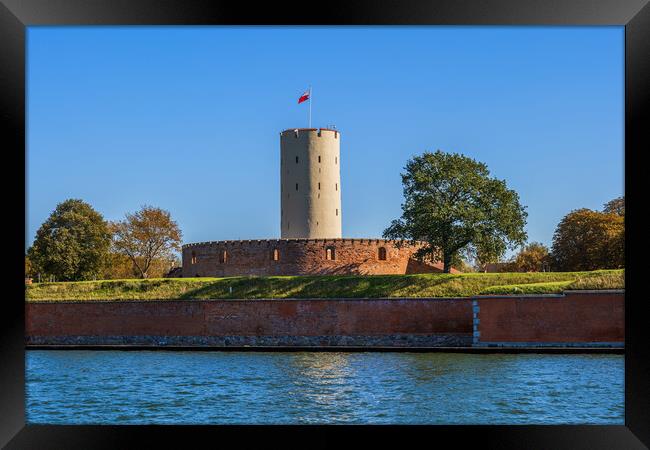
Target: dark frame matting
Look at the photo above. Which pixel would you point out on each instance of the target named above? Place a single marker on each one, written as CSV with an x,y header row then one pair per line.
x,y
15,15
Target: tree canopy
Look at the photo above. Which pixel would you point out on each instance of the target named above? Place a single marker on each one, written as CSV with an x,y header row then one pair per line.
x,y
616,206
71,244
534,257
589,240
452,204
146,236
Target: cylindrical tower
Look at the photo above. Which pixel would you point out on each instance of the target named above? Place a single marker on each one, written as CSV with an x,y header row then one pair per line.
x,y
310,183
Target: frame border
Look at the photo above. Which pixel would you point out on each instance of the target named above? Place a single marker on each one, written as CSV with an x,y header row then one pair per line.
x,y
16,15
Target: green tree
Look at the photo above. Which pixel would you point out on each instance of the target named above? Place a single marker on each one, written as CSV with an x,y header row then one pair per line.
x,y
29,268
616,206
452,204
120,266
72,243
534,257
145,237
589,240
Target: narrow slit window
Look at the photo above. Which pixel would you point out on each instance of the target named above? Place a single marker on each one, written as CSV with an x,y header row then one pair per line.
x,y
319,186
296,160
330,254
382,254
336,160
336,186
296,186
318,158
223,257
193,258
337,211
275,254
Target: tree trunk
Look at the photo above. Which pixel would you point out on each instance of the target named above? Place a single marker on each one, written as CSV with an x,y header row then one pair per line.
x,y
447,262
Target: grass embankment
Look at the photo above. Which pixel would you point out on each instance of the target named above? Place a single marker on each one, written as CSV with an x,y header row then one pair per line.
x,y
372,286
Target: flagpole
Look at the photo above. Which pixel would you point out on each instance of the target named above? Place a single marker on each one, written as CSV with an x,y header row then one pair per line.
x,y
309,106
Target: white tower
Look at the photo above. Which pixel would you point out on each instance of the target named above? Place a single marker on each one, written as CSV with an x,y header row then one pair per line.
x,y
310,183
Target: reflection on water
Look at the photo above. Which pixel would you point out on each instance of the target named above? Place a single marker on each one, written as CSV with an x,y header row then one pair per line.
x,y
139,387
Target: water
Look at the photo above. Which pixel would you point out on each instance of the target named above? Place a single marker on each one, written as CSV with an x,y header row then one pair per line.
x,y
161,387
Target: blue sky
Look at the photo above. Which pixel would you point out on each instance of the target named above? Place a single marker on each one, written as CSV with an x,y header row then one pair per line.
x,y
188,118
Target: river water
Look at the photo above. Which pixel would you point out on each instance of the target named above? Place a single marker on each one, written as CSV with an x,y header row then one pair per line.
x,y
169,387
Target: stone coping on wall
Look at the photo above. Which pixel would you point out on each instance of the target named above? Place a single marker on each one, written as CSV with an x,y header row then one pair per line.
x,y
560,294
164,300
268,241
369,299
293,130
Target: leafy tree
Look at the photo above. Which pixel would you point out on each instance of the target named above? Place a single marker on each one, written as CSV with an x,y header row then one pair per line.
x,y
589,240
29,269
616,206
72,243
534,257
452,204
148,235
461,265
120,266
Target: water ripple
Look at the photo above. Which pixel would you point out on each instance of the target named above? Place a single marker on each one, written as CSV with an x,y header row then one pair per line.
x,y
148,387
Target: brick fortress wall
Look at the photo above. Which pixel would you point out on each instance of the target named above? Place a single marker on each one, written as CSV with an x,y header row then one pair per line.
x,y
582,319
302,257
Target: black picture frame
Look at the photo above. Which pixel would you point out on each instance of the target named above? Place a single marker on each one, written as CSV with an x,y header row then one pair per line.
x,y
16,15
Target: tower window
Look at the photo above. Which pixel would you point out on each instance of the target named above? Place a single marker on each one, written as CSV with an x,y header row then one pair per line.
x,y
193,258
319,186
336,186
336,160
296,186
223,257
382,254
318,158
337,211
296,160
330,254
275,254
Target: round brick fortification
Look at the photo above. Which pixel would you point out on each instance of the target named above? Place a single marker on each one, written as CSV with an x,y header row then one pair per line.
x,y
302,257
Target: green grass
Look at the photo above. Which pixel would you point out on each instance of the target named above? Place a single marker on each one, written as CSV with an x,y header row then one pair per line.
x,y
351,286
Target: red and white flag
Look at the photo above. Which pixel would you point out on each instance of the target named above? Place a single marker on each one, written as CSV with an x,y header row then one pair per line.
x,y
304,97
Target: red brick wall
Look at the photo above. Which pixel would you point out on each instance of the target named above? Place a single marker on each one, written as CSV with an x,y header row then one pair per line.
x,y
301,257
250,317
575,317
